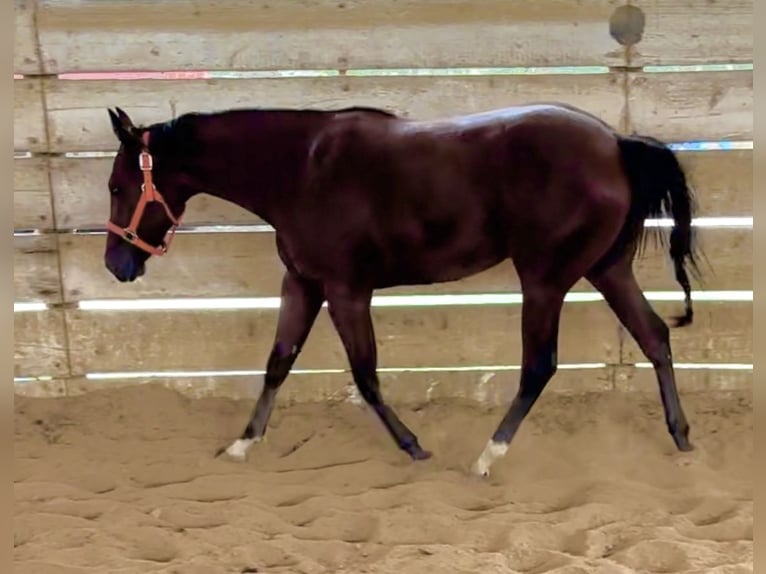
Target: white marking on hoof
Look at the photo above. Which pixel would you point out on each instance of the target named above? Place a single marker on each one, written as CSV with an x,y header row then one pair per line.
x,y
492,452
238,449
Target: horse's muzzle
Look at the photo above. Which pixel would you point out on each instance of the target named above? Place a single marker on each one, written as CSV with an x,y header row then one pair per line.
x,y
126,270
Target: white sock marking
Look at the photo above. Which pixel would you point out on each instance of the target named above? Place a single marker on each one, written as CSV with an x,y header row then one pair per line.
x,y
238,449
492,452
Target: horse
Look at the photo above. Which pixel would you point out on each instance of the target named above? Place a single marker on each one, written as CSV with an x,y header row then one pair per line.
x,y
362,199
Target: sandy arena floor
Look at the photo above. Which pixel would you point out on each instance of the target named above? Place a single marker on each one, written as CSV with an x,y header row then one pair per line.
x,y
124,481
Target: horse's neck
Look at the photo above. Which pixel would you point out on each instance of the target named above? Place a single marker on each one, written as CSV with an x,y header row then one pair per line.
x,y
255,161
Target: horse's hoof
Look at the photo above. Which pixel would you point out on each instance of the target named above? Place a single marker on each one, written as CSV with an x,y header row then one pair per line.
x,y
682,441
421,454
685,445
480,470
225,454
236,451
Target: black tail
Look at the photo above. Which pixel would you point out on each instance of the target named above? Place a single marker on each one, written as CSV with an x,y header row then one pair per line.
x,y
660,189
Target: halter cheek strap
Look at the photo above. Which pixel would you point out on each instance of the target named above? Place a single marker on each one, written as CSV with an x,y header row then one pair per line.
x,y
149,194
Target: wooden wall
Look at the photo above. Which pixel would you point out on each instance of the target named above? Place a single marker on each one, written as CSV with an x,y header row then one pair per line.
x,y
60,108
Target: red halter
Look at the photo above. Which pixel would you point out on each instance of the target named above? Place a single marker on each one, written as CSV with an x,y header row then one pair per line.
x,y
149,193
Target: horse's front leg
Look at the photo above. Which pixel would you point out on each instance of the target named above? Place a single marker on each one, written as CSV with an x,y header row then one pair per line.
x,y
301,302
540,315
350,313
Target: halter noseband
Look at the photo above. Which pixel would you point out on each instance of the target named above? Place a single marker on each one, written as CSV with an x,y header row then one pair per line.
x,y
149,194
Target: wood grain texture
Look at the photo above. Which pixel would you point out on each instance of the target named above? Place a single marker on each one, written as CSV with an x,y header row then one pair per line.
x,y
25,60
247,265
41,389
694,32
722,332
82,199
683,106
78,120
39,344
722,179
207,265
28,117
31,194
727,262
407,337
36,269
237,35
643,380
490,388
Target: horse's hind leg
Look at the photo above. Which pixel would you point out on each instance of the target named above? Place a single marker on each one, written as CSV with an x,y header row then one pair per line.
x,y
350,313
301,303
540,315
621,290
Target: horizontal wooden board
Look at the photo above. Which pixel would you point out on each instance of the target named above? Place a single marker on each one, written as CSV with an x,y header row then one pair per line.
x,y
41,389
247,265
683,106
237,35
723,181
28,118
722,332
78,119
36,269
82,199
25,60
244,264
727,262
644,380
694,32
39,344
490,388
31,194
407,337
672,106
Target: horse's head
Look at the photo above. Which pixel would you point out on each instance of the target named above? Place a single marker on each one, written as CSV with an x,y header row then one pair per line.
x,y
147,201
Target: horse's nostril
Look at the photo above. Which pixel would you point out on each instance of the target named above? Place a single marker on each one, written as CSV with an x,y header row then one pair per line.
x,y
123,269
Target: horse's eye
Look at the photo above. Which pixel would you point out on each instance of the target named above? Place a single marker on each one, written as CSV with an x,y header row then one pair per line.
x,y
114,190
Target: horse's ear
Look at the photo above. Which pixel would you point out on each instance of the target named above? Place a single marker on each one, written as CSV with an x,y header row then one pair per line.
x,y
124,118
123,127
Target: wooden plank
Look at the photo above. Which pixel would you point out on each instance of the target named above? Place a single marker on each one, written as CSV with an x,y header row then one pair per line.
x,y
407,337
683,106
247,265
78,120
31,194
237,35
39,344
28,117
694,32
41,389
644,380
82,199
36,269
723,182
722,332
727,262
489,388
25,60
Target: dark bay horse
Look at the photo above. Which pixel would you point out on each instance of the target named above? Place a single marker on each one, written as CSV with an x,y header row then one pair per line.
x,y
362,199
